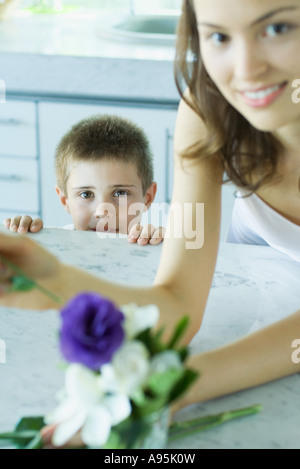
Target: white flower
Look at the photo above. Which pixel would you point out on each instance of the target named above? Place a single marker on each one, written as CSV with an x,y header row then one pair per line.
x,y
128,371
161,362
86,408
139,318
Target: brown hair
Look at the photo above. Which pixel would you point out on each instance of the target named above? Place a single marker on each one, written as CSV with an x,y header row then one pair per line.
x,y
244,151
105,136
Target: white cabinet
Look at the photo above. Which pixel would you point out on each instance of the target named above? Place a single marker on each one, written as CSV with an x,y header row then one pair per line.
x,y
19,159
18,129
19,185
55,119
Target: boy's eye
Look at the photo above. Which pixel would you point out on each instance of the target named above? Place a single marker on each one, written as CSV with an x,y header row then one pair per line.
x,y
120,193
86,195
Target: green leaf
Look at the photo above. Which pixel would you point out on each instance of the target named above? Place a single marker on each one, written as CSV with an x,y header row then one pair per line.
x,y
163,383
20,283
159,334
189,376
138,398
150,405
178,332
151,341
30,423
22,436
36,442
130,433
114,441
183,353
26,434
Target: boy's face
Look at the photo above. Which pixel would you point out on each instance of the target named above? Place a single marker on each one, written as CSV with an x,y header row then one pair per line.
x,y
105,196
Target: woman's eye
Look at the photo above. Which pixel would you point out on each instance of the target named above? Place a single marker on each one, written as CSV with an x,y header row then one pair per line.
x,y
86,195
219,38
274,30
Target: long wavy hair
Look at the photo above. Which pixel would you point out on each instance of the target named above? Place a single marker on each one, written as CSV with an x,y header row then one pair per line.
x,y
249,156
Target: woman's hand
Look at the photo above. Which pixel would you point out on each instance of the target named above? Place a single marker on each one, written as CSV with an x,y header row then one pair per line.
x,y
36,263
47,435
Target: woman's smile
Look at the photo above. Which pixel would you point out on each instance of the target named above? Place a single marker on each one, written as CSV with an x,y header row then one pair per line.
x,y
264,96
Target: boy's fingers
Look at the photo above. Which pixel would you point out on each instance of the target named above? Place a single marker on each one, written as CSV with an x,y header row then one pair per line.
x,y
6,223
36,225
134,233
158,235
24,224
146,235
14,223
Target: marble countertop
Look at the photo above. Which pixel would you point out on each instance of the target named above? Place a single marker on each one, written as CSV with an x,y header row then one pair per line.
x,y
63,55
252,287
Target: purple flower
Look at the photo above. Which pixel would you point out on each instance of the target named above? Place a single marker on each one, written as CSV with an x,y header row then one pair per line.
x,y
91,330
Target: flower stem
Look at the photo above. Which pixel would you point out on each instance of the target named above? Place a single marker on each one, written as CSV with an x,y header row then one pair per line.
x,y
190,427
22,282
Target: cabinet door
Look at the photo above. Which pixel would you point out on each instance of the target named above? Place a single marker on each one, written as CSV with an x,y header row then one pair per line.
x,y
18,129
57,118
19,162
19,186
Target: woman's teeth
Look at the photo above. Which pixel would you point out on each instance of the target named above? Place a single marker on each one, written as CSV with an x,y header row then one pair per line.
x,y
262,93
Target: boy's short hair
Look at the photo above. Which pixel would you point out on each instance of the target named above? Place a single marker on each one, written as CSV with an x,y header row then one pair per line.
x,y
105,136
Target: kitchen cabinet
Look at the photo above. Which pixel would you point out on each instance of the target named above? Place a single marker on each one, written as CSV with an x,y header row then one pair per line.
x,y
19,159
56,118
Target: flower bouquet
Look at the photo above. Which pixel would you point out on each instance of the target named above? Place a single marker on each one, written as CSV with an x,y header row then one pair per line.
x,y
120,379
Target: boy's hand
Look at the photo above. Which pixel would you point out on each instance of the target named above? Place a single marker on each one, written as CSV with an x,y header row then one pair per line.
x,y
23,224
146,235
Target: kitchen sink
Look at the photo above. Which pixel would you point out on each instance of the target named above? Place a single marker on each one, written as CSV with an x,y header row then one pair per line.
x,y
152,29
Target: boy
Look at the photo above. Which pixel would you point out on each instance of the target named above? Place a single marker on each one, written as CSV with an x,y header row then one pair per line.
x,y
104,174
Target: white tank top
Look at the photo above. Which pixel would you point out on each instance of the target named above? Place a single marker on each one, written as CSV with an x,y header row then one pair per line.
x,y
254,222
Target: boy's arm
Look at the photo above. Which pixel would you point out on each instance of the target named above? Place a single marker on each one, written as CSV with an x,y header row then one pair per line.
x,y
23,224
146,235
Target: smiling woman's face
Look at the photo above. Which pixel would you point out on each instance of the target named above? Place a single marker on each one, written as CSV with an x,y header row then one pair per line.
x,y
251,50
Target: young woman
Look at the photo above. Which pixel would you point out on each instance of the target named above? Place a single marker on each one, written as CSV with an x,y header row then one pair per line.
x,y
241,80
239,60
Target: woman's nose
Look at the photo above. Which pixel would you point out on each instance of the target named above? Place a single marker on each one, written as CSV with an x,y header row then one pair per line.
x,y
250,62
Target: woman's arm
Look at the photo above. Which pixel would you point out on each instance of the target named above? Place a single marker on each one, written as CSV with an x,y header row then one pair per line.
x,y
184,275
261,357
185,271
